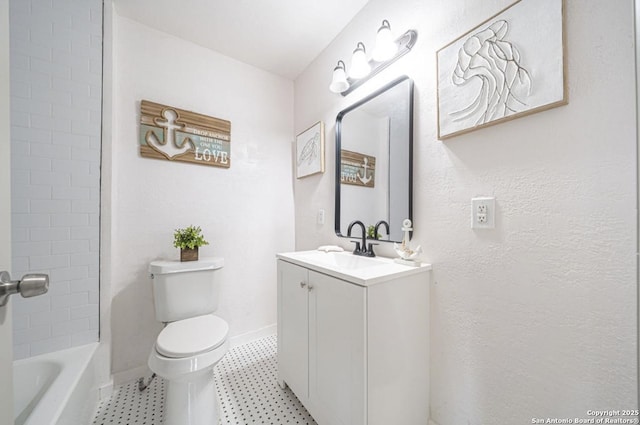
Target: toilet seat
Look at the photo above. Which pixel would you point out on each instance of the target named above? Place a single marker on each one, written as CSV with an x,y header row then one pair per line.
x,y
193,336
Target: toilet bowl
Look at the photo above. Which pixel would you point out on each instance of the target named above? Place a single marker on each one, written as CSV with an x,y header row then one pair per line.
x,y
193,341
185,354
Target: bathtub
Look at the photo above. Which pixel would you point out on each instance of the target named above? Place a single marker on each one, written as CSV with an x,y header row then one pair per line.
x,y
56,388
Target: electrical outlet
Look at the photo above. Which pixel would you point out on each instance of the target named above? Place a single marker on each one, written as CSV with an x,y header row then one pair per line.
x,y
483,213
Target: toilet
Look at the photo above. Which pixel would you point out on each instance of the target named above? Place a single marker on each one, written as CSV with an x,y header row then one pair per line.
x,y
193,341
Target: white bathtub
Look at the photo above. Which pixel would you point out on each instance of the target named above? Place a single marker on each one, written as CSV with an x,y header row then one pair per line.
x,y
56,388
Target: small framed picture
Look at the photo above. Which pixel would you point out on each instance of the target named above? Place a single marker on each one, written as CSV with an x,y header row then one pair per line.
x,y
310,151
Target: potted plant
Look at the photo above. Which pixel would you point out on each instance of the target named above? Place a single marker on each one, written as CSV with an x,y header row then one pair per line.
x,y
188,240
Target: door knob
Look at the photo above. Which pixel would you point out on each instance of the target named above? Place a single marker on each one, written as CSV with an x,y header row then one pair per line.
x,y
29,286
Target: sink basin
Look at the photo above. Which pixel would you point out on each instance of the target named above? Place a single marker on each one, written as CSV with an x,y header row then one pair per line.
x,y
362,271
342,260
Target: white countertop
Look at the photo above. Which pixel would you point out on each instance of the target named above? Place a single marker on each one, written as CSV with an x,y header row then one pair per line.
x,y
363,271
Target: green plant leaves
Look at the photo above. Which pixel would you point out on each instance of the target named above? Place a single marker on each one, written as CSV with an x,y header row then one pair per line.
x,y
189,237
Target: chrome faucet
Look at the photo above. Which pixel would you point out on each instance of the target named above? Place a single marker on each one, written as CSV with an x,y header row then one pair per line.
x,y
361,248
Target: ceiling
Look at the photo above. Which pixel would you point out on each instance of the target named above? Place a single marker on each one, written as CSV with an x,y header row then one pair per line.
x,y
280,36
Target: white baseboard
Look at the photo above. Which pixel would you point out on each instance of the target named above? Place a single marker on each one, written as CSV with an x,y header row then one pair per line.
x,y
130,375
253,335
105,391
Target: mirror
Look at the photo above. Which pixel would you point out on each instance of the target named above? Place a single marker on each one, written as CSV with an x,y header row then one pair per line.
x,y
374,150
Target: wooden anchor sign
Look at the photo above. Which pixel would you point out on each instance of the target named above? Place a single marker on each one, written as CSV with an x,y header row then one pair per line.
x,y
178,135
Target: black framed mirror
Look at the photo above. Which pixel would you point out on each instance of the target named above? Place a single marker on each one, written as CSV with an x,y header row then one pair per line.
x,y
374,160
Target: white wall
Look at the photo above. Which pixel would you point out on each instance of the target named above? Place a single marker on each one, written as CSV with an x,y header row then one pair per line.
x,y
56,67
537,317
246,212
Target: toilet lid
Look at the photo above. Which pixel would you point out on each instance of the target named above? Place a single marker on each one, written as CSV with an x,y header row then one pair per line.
x,y
192,336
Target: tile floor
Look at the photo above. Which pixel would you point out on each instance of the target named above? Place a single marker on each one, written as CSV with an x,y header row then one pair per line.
x,y
247,388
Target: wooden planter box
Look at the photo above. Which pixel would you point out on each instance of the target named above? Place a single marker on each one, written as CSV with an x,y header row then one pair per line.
x,y
189,254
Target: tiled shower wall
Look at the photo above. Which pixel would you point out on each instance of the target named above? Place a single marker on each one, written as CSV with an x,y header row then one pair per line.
x,y
56,73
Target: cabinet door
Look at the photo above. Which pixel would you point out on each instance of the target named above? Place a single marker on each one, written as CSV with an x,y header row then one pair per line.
x,y
293,328
336,351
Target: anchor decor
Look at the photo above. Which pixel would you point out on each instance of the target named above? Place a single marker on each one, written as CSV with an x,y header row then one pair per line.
x,y
177,135
357,169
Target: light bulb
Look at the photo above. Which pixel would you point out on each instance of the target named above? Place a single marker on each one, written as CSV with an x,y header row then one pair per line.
x,y
359,64
339,81
386,47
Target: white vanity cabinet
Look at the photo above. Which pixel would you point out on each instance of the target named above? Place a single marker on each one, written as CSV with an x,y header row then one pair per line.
x,y
355,352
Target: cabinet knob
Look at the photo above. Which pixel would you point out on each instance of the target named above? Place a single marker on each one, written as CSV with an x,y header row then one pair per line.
x,y
310,287
303,284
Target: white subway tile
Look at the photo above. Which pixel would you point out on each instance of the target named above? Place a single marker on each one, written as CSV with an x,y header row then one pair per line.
x,y
20,147
69,247
29,220
86,232
20,206
89,310
25,249
79,206
30,106
69,139
85,180
49,261
85,337
25,47
31,305
50,151
50,178
19,234
70,166
70,274
20,89
21,191
59,288
36,333
20,265
49,233
21,351
42,318
88,259
51,344
69,327
83,193
50,206
85,154
56,64
82,285
69,220
71,300
29,134
27,162
41,34
20,322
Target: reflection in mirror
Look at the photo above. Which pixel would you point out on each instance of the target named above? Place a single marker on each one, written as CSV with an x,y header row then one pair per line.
x,y
374,142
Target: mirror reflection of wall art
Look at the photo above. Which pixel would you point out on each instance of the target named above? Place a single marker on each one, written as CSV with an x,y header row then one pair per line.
x,y
509,66
310,151
357,169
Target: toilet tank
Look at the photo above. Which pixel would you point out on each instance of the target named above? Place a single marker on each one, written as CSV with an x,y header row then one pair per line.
x,y
185,289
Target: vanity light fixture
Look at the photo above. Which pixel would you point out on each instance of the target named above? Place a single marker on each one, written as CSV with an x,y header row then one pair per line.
x,y
386,52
